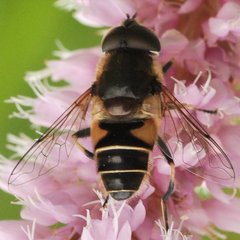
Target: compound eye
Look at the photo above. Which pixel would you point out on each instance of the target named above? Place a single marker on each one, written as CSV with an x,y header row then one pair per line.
x,y
131,35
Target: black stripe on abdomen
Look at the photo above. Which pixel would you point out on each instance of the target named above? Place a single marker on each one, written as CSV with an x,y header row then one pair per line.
x,y
122,185
122,159
119,133
122,170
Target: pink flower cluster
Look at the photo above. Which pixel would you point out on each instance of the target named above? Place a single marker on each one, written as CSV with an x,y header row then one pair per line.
x,y
203,39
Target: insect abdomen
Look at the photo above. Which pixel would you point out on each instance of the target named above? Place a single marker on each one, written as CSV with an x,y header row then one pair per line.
x,y
122,170
122,157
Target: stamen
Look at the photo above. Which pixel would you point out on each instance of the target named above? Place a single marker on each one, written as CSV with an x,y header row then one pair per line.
x,y
63,52
197,78
116,214
69,5
38,82
179,87
206,88
171,233
86,218
30,232
18,144
21,103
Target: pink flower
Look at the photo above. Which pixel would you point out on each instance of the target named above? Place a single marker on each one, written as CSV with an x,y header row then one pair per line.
x,y
118,225
96,13
22,230
202,38
227,21
229,211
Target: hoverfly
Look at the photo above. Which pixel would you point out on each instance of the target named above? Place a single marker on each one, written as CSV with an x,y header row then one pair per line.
x,y
131,113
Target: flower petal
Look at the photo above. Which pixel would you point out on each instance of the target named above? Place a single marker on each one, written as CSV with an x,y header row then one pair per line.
x,y
227,218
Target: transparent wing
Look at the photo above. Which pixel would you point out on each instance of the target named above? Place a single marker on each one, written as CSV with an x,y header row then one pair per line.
x,y
54,145
190,144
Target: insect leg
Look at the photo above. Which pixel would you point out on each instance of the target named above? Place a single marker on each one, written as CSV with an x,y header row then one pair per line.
x,y
167,66
165,214
209,111
172,106
81,134
166,153
105,202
